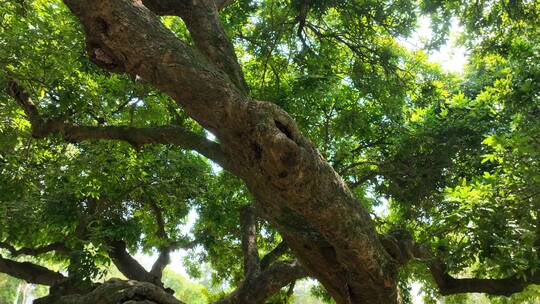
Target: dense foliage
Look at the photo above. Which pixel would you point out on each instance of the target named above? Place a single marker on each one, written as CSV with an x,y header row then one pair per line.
x,y
453,158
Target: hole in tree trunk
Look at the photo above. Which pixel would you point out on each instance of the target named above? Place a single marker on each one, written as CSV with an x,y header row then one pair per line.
x,y
283,129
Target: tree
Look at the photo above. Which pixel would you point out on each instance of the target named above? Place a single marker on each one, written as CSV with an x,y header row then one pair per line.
x,y
105,146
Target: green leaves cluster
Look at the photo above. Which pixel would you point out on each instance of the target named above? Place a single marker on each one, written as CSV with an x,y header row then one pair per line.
x,y
454,157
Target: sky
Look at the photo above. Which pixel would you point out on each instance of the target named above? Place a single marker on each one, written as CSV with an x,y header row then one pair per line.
x,y
450,56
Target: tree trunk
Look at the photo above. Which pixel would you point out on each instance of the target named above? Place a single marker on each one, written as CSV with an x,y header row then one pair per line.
x,y
296,189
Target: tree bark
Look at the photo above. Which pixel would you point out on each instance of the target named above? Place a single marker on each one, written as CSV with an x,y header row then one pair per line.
x,y
202,20
116,291
128,266
297,190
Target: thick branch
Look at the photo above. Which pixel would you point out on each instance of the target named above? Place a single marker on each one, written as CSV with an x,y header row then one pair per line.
x,y
273,255
449,285
401,246
258,289
57,247
297,191
29,272
504,287
162,261
164,255
202,20
128,266
248,227
173,135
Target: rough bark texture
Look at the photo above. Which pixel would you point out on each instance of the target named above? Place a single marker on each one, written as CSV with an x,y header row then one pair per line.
x,y
116,292
297,190
202,20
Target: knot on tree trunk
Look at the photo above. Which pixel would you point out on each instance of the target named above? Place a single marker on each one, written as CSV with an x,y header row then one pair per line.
x,y
277,146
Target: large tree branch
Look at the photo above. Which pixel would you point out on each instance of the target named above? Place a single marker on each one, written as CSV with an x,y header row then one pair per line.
x,y
131,268
261,287
202,20
164,255
128,266
173,135
297,191
164,258
29,272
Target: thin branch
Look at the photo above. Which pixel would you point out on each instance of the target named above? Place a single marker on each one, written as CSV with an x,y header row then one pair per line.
x,y
173,135
301,18
164,255
160,232
290,290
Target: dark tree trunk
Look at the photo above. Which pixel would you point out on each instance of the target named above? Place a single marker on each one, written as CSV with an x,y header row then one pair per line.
x,y
296,189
